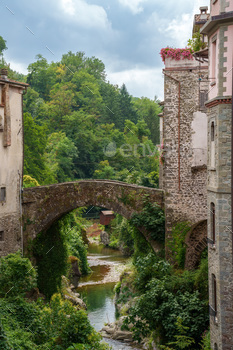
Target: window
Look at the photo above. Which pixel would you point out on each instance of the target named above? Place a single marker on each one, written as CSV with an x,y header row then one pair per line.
x,y
212,131
1,236
215,346
3,194
203,98
214,55
214,295
212,221
212,145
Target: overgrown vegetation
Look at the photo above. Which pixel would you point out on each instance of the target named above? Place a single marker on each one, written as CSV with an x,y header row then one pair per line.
x,y
167,302
25,325
52,248
177,244
152,219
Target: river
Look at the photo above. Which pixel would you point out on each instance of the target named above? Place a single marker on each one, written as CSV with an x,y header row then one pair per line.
x,y
97,289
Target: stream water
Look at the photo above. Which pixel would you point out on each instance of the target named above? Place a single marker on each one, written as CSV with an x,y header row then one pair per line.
x,y
97,289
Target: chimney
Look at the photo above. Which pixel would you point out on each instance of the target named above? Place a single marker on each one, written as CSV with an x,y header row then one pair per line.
x,y
203,10
4,74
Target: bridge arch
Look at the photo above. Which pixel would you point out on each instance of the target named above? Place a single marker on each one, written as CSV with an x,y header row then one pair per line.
x,y
44,205
196,242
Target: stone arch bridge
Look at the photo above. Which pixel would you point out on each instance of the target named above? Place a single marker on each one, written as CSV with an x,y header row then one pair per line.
x,y
43,205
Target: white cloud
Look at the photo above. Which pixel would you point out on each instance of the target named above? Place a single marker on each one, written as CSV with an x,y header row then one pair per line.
x,y
17,66
180,30
85,15
133,5
140,82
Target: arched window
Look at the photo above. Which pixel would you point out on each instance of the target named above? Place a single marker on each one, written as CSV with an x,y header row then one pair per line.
x,y
215,346
212,222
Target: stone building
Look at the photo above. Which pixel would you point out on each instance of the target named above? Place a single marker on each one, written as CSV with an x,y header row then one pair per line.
x,y
11,163
183,133
219,29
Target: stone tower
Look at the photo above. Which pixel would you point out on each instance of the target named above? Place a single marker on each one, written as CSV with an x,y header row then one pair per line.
x,y
219,29
11,163
183,130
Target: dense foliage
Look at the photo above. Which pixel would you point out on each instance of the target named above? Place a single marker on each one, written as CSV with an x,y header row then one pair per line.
x,y
78,125
17,276
37,325
151,218
168,301
52,248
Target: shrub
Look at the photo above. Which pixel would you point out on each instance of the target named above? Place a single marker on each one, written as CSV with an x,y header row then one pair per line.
x,y
29,181
160,308
152,219
17,275
56,326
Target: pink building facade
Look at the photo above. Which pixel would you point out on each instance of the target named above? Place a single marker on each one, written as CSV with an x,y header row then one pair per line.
x,y
219,29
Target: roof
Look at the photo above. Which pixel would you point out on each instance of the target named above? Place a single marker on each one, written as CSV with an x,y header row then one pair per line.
x,y
213,21
201,18
13,82
107,212
202,55
4,79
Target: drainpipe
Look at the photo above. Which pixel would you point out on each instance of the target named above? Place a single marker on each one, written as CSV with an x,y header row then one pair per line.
x,y
177,81
21,210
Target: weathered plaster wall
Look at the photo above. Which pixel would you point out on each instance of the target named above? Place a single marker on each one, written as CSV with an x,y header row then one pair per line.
x,y
11,165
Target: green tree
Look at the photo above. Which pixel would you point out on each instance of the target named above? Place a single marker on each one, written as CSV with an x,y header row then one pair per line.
x,y
149,110
35,140
2,45
60,155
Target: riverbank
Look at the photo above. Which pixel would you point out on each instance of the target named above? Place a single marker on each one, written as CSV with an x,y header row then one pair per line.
x,y
97,289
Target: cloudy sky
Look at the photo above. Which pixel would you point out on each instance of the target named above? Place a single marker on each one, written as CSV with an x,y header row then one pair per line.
x,y
126,35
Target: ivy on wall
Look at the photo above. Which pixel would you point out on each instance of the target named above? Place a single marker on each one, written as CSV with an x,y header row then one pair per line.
x,y
177,242
51,253
152,218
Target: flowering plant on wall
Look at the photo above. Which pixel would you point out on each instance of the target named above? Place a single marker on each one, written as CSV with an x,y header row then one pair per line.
x,y
176,54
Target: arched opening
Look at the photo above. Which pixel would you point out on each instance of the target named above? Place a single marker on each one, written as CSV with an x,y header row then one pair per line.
x,y
196,243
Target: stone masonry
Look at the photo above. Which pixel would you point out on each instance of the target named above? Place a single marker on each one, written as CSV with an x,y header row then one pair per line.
x,y
185,159
45,204
219,29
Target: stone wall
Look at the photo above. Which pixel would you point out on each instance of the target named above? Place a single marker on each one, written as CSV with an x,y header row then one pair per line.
x,y
220,251
185,194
